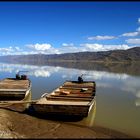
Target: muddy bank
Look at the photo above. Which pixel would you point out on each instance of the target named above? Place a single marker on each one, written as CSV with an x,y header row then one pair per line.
x,y
21,125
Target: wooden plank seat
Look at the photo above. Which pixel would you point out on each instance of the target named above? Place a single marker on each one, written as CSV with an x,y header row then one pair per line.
x,y
68,94
70,98
88,84
11,83
77,88
13,90
73,92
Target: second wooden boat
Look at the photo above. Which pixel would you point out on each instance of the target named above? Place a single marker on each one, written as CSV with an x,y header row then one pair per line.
x,y
72,98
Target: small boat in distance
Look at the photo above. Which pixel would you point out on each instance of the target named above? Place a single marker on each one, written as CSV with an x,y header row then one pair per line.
x,y
73,98
15,89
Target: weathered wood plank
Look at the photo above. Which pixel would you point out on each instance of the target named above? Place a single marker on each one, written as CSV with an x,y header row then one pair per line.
x,y
45,101
69,98
10,90
12,83
73,95
75,88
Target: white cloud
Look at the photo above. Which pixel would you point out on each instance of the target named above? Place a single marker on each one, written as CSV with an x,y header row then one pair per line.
x,y
71,48
65,48
40,47
34,49
91,47
14,51
94,47
131,34
133,41
7,51
101,37
101,47
41,73
43,48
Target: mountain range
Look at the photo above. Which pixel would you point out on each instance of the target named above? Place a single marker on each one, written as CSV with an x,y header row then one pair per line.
x,y
132,54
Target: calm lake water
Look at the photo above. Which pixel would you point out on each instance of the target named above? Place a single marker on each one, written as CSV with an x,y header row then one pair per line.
x,y
117,97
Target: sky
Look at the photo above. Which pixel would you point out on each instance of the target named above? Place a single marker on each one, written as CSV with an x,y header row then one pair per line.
x,y
66,26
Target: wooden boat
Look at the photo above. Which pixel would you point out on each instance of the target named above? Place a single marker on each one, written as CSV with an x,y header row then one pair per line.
x,y
15,89
72,98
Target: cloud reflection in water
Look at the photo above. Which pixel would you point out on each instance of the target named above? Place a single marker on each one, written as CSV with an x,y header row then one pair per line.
x,y
103,78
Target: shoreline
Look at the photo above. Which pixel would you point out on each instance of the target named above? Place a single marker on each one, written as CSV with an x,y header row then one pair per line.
x,y
15,124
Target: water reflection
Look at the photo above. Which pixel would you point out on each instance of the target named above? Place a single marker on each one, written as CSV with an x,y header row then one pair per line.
x,y
89,121
118,94
46,71
104,79
131,68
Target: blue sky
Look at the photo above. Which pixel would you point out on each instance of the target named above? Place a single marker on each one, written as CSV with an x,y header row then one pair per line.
x,y
62,27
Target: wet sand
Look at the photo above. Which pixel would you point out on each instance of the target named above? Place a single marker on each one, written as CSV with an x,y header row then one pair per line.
x,y
16,124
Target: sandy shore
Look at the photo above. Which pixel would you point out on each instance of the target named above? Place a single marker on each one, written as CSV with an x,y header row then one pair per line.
x,y
22,125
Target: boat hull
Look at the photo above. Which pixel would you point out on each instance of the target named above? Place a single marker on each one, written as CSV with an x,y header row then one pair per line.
x,y
63,109
12,89
71,99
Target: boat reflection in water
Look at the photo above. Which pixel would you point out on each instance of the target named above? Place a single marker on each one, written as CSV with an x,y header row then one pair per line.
x,y
89,120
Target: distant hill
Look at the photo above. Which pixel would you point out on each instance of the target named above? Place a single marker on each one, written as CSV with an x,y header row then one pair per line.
x,y
132,54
